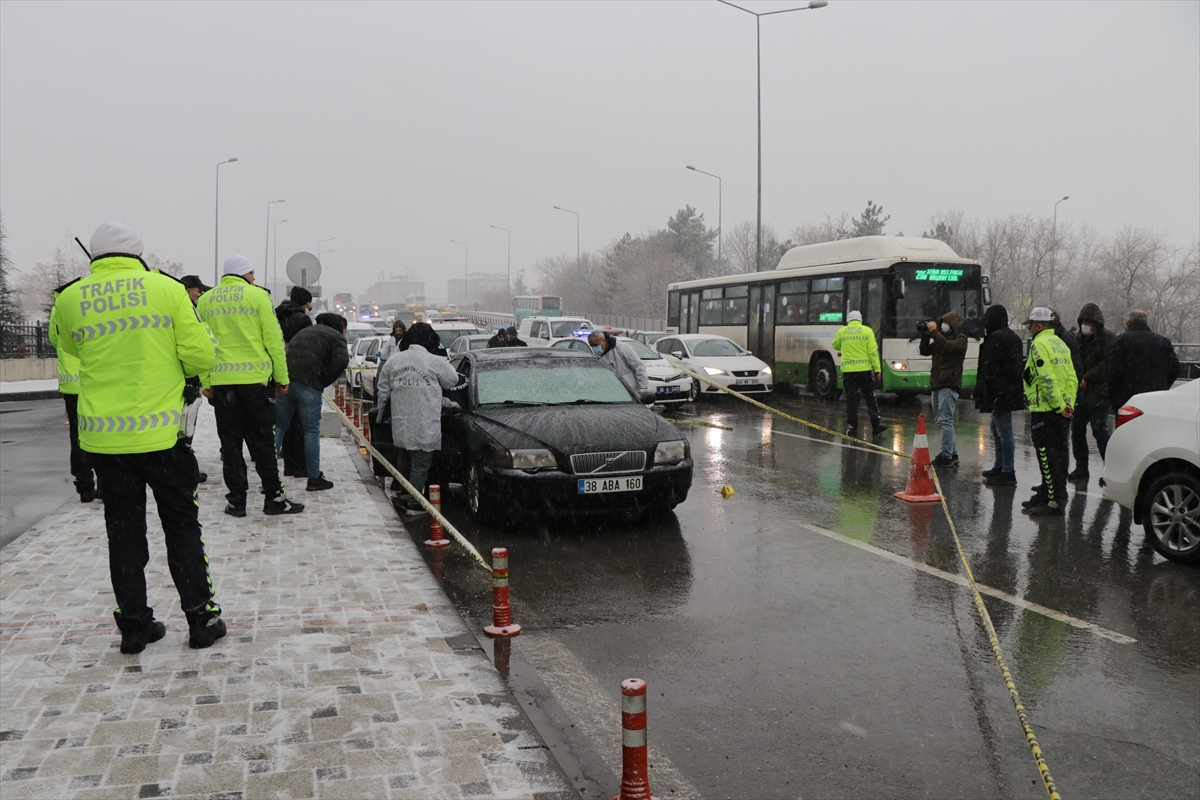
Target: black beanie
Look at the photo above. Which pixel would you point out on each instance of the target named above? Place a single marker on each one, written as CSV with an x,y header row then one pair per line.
x,y
301,296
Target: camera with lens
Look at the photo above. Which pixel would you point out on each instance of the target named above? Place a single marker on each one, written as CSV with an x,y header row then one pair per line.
x,y
923,326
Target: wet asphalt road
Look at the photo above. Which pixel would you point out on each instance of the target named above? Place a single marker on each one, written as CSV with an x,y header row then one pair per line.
x,y
35,475
788,656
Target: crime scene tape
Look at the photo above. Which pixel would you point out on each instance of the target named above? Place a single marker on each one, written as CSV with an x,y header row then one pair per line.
x,y
408,487
980,608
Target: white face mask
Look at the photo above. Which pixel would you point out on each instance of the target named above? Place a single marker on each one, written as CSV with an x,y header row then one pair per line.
x,y
945,327
1088,330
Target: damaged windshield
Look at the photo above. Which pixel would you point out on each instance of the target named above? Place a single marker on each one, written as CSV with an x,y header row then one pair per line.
x,y
552,384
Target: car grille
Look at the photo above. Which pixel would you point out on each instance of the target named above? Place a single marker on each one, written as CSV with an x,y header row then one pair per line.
x,y
745,373
602,463
667,379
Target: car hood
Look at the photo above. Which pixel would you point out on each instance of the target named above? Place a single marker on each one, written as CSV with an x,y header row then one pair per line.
x,y
577,429
727,362
661,368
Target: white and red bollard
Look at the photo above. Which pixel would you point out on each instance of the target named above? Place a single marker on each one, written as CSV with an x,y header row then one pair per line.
x,y
502,624
436,538
635,757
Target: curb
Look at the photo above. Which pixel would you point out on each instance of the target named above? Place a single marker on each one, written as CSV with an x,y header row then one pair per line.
x,y
44,394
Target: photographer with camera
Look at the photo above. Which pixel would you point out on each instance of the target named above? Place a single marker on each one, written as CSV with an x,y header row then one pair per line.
x,y
948,346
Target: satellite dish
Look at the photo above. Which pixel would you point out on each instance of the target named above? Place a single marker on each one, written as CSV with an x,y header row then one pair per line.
x,y
303,269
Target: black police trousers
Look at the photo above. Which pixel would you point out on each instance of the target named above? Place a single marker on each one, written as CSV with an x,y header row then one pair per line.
x,y
855,383
171,475
1051,435
246,413
81,468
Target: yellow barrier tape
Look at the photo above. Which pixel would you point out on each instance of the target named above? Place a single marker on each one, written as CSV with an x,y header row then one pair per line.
x,y
980,608
408,487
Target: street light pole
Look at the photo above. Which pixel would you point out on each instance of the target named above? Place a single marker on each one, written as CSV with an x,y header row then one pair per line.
x,y
275,250
508,287
576,213
720,227
812,6
217,220
267,243
466,262
319,250
1054,248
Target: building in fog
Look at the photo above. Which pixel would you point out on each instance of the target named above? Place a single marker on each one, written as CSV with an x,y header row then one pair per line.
x,y
480,286
393,291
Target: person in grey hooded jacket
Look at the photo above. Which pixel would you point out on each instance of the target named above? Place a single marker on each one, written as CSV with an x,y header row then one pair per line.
x,y
622,360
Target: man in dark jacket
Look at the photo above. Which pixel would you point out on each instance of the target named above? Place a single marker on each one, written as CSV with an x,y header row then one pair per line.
x,y
999,391
1091,404
1142,361
506,338
945,342
293,318
316,357
1070,341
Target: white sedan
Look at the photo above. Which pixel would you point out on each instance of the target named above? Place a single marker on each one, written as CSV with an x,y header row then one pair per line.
x,y
669,383
720,359
1152,467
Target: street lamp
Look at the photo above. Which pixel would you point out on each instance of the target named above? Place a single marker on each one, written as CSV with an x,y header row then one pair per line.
x,y
466,261
267,243
1054,248
758,15
719,226
275,267
508,287
576,213
217,220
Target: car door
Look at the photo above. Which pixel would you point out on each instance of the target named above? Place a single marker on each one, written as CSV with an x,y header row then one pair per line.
x,y
454,455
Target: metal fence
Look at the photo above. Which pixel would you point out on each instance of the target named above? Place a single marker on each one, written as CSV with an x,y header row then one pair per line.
x,y
626,323
25,341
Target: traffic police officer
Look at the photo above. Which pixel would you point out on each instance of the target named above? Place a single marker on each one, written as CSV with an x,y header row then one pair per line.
x,y
860,371
137,336
68,387
1050,387
251,367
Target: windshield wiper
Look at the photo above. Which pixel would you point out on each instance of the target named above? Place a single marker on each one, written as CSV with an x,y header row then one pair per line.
x,y
584,402
515,403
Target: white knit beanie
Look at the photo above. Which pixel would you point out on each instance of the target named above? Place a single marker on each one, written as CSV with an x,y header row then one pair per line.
x,y
113,237
237,265
854,316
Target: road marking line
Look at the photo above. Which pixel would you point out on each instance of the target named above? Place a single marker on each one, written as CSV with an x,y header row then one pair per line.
x,y
597,715
1103,633
833,444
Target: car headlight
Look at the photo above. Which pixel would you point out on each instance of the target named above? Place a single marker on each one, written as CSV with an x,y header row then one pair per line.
x,y
766,370
666,452
715,371
532,459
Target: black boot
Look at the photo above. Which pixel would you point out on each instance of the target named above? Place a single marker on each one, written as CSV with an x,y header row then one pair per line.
x,y
135,641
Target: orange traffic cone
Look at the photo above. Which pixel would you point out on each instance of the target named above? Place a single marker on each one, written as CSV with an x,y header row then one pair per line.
x,y
920,484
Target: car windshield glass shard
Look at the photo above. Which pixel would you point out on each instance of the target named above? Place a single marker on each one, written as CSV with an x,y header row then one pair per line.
x,y
715,347
557,384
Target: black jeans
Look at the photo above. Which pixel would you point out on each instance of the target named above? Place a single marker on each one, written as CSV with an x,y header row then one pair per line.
x,y
171,475
854,384
1097,417
246,413
81,467
293,448
1051,439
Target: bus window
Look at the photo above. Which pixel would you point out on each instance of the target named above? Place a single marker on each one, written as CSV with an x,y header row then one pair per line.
x,y
552,303
873,310
710,312
673,309
792,309
854,295
736,302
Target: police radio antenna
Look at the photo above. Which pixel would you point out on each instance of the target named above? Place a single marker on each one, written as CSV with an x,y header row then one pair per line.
x,y
84,249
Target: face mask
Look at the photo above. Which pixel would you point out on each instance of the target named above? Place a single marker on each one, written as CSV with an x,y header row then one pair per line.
x,y
1088,330
945,327
597,349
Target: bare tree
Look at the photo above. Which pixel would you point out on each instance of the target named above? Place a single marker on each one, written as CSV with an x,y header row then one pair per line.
x,y
831,230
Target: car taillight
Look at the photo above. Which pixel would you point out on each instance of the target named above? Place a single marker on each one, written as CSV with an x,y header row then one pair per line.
x,y
1126,413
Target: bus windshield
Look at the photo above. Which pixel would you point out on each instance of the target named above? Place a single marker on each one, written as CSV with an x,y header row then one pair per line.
x,y
931,290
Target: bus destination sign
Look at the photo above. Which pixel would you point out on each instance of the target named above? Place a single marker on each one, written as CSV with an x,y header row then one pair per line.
x,y
939,275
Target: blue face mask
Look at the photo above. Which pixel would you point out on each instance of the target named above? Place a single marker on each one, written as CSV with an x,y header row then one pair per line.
x,y
597,349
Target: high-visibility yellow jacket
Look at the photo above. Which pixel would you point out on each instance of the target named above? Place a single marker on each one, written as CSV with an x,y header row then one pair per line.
x,y
68,365
1050,379
136,336
249,341
860,351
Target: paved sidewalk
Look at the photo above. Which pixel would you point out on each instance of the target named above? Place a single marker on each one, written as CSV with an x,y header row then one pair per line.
x,y
346,672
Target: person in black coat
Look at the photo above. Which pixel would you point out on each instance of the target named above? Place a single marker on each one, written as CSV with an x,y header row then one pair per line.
x,y
1142,361
999,390
293,318
506,337
1091,403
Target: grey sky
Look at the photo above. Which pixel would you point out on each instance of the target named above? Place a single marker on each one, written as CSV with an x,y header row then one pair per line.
x,y
397,127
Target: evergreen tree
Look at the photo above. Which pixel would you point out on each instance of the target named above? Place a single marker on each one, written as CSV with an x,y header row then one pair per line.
x,y
10,307
871,222
693,242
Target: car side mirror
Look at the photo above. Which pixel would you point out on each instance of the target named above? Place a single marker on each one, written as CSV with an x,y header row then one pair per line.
x,y
373,359
898,287
987,291
647,398
677,353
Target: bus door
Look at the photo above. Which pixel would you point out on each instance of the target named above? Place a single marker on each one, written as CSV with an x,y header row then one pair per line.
x,y
689,312
761,338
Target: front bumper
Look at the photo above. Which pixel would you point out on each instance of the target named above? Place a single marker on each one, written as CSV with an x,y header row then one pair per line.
x,y
671,391
553,492
759,384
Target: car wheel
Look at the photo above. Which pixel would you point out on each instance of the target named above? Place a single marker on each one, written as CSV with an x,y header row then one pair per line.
x,y
694,392
824,380
477,504
1171,517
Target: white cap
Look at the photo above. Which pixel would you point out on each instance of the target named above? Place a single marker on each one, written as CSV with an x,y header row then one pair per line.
x,y
1040,314
854,316
237,265
113,238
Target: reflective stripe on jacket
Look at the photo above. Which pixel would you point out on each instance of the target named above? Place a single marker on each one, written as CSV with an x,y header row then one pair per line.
x,y
1049,376
860,351
68,365
136,336
249,341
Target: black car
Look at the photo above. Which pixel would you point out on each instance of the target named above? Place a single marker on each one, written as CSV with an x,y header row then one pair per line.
x,y
546,431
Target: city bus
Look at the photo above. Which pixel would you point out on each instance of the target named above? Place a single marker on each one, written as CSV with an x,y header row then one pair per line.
x,y
528,306
788,316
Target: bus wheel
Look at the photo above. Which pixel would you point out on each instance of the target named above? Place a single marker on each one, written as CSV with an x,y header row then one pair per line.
x,y
824,382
